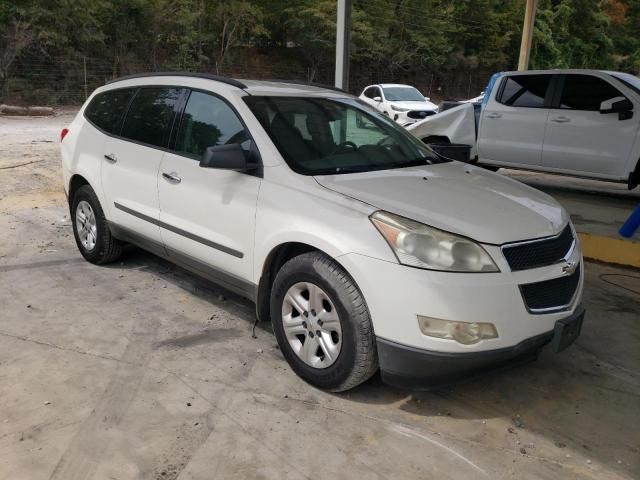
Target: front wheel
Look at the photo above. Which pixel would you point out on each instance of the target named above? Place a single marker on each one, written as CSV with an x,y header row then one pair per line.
x,y
322,323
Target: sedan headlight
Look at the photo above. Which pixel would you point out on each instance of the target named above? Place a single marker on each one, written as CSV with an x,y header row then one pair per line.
x,y
399,109
418,245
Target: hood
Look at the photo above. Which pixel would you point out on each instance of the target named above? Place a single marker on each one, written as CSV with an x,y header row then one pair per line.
x,y
458,198
414,105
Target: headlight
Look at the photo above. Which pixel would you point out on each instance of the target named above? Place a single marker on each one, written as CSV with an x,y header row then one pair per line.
x,y
398,109
418,245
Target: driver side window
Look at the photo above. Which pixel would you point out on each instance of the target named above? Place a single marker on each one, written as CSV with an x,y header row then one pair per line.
x,y
358,130
208,121
585,92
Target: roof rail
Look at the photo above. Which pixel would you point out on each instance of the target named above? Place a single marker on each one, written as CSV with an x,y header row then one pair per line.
x,y
311,84
217,78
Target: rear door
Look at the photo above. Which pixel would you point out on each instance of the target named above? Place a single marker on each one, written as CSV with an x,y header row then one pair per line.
x,y
208,215
132,161
579,138
512,126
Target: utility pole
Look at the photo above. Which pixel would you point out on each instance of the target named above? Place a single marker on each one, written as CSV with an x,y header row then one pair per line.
x,y
527,34
343,44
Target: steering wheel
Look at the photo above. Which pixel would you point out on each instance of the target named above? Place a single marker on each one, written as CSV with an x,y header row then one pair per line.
x,y
348,143
383,141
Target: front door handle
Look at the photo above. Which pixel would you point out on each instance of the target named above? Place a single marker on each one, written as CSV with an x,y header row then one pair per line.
x,y
172,177
111,157
494,115
561,119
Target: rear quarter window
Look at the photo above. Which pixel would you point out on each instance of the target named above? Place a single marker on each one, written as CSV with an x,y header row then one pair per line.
x,y
106,109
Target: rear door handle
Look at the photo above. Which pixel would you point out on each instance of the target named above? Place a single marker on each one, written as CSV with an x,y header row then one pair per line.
x,y
111,157
494,115
561,119
172,177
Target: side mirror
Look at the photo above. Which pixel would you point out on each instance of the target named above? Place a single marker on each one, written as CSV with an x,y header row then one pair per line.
x,y
228,157
377,99
620,105
427,98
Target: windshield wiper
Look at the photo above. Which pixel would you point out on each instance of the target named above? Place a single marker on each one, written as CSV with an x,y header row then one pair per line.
x,y
369,168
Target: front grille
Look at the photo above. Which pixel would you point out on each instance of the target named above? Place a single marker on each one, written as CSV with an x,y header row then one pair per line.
x,y
539,253
550,295
420,113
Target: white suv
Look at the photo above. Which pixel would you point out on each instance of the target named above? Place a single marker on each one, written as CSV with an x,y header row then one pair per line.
x,y
404,103
362,247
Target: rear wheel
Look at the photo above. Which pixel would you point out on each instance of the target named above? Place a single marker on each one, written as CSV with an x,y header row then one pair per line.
x,y
90,228
322,323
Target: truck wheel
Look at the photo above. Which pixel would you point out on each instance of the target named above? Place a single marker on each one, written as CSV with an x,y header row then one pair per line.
x,y
322,323
90,228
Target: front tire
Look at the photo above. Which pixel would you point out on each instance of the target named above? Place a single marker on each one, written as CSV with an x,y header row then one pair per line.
x,y
322,323
91,230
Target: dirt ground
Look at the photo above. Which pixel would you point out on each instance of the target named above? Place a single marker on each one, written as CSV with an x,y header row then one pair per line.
x,y
139,370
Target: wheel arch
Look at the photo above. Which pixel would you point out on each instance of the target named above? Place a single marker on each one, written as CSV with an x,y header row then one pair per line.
x,y
634,177
435,139
75,182
274,260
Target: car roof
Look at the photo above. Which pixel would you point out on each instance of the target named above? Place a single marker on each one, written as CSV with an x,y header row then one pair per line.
x,y
291,88
397,85
559,71
252,87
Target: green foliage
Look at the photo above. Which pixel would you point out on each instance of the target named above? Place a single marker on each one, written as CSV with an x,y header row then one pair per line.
x,y
390,38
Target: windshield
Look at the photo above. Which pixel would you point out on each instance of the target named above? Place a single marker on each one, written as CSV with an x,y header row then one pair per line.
x,y
403,94
629,80
320,136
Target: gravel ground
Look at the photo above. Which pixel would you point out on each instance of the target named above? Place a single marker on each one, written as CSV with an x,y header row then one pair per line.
x,y
138,370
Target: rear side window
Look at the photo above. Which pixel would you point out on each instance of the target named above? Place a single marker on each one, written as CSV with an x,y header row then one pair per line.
x,y
106,109
207,122
585,92
150,115
525,90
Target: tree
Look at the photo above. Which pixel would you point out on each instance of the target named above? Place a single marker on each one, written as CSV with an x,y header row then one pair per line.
x,y
236,22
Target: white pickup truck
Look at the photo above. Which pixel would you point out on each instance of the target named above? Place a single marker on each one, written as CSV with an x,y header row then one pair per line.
x,y
574,122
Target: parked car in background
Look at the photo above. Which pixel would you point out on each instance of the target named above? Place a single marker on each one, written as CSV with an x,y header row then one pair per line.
x,y
363,248
404,103
575,122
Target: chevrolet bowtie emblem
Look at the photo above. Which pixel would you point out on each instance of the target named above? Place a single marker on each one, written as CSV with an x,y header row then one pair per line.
x,y
569,267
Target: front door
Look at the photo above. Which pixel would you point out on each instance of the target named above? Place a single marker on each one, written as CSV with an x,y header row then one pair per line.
x,y
581,139
207,215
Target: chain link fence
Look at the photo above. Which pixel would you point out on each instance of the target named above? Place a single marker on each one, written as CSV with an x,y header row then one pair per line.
x,y
69,81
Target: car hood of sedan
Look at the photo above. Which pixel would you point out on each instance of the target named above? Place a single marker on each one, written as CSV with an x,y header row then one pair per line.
x,y
457,198
415,105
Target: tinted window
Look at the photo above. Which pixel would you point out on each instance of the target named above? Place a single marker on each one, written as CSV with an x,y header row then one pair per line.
x,y
525,90
208,121
150,115
584,92
106,109
370,92
319,136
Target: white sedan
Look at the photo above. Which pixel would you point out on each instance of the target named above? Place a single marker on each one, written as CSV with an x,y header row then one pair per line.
x,y
404,103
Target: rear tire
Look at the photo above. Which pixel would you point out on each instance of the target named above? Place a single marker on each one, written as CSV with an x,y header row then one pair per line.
x,y
91,230
345,355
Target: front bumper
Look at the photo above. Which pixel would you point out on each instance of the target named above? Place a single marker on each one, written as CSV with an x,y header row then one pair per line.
x,y
410,367
404,119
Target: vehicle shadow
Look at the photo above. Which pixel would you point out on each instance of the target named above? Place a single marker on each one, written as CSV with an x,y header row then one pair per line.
x,y
575,400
